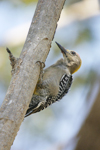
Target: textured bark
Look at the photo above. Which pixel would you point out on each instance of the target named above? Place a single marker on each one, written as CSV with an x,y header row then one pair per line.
x,y
26,72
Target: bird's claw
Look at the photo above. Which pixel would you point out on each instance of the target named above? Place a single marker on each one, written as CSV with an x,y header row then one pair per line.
x,y
42,64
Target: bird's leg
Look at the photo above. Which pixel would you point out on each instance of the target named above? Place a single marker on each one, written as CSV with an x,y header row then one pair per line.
x,y
42,65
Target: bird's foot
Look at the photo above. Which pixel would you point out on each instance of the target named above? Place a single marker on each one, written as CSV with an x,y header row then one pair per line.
x,y
42,65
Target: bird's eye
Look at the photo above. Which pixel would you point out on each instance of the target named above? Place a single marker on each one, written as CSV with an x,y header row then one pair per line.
x,y
73,53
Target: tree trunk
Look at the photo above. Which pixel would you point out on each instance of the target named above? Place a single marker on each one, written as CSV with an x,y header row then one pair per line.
x,y
89,135
25,72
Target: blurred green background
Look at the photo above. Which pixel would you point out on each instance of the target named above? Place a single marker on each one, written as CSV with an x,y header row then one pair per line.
x,y
78,29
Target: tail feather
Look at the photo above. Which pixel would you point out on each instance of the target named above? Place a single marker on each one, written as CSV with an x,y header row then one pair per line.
x,y
34,109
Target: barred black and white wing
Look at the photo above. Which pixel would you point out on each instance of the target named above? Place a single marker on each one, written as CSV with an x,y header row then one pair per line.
x,y
64,86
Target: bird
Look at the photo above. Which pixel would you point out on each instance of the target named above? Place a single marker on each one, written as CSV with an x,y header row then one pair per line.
x,y
55,81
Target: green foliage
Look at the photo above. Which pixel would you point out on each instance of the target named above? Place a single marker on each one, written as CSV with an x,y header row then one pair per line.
x,y
28,1
84,35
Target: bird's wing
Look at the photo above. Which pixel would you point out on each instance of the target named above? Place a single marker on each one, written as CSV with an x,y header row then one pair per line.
x,y
34,108
64,86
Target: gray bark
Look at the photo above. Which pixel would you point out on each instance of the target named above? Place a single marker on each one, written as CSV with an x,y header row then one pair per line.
x,y
26,72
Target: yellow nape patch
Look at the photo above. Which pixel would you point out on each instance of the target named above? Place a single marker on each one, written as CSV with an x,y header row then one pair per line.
x,y
77,67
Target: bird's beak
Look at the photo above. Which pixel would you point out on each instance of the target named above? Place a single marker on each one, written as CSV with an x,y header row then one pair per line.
x,y
63,50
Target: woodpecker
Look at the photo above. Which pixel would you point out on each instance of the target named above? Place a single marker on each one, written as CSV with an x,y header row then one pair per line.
x,y
55,81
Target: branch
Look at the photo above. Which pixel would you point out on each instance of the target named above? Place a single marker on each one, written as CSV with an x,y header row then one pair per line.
x,y
26,70
13,60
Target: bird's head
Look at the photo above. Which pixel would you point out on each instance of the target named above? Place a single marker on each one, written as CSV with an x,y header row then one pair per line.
x,y
71,59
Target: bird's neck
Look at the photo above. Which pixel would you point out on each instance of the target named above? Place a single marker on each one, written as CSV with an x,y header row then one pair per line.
x,y
60,63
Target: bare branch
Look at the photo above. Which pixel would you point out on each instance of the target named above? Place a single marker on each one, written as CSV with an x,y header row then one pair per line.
x,y
26,70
